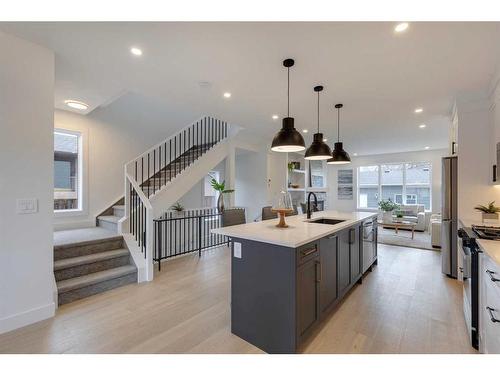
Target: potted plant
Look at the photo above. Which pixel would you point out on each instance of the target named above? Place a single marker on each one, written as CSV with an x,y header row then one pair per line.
x,y
387,206
489,212
221,188
177,208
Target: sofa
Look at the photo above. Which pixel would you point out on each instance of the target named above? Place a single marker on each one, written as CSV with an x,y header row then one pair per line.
x,y
414,213
435,227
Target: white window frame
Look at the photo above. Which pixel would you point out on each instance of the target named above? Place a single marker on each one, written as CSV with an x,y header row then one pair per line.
x,y
82,173
404,194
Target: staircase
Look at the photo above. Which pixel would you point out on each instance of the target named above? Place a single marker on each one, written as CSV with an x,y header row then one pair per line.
x,y
157,179
119,250
90,261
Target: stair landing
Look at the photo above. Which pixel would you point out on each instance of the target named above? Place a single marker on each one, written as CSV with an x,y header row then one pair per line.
x,y
68,237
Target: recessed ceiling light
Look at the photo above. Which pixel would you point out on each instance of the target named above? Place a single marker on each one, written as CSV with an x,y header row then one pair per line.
x,y
419,110
76,104
427,147
136,51
227,95
275,117
355,154
421,126
400,27
325,139
305,131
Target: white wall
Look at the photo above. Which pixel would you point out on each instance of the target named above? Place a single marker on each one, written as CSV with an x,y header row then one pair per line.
x,y
434,156
251,183
477,125
194,197
107,147
26,160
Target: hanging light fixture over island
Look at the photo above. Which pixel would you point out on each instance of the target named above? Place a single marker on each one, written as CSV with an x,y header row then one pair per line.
x,y
318,150
339,156
288,139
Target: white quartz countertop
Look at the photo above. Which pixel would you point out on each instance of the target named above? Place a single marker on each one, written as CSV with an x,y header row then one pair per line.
x,y
492,248
299,232
488,223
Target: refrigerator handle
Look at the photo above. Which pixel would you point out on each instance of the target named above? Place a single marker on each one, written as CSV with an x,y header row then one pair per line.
x,y
446,189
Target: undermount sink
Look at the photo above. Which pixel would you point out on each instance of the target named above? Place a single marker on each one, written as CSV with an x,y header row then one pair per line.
x,y
327,221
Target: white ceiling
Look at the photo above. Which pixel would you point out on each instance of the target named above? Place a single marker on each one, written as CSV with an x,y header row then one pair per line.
x,y
380,76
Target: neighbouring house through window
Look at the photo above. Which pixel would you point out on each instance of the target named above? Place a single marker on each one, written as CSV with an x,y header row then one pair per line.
x,y
403,183
67,170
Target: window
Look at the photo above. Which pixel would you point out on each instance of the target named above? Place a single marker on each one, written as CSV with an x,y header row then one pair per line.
x,y
67,170
403,183
368,187
391,183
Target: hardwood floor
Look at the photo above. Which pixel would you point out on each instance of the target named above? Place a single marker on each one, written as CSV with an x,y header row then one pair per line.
x,y
404,306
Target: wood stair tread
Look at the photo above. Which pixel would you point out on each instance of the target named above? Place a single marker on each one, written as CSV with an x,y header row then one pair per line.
x,y
87,259
94,278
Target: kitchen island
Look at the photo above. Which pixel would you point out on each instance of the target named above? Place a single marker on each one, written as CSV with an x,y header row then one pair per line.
x,y
285,281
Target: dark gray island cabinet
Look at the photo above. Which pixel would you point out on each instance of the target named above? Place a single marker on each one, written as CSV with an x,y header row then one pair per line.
x,y
280,294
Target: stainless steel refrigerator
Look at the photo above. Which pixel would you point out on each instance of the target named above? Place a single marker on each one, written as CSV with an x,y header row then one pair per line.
x,y
449,214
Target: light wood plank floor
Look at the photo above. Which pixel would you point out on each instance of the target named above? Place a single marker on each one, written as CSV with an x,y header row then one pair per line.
x,y
404,306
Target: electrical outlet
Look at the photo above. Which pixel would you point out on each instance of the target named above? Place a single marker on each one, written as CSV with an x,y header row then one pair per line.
x,y
27,206
237,249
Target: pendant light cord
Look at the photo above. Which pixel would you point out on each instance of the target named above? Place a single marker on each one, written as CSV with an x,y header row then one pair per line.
x,y
318,111
338,124
288,93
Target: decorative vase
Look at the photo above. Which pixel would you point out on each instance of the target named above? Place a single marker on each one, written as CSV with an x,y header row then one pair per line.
x,y
489,217
387,217
220,202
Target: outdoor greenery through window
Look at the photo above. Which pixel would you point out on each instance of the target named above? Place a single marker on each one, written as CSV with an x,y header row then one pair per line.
x,y
67,170
403,183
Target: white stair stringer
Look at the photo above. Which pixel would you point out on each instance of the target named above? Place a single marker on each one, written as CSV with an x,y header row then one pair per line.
x,y
163,199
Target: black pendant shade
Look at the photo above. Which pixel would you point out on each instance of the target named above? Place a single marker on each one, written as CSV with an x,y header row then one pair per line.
x,y
339,155
288,139
318,150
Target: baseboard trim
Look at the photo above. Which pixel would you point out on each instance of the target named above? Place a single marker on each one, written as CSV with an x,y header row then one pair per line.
x,y
25,318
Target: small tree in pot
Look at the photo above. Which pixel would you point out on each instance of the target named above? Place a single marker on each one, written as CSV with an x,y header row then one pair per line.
x,y
387,206
221,188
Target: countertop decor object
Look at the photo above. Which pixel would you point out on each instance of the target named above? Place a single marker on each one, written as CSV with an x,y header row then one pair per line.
x,y
282,205
339,155
288,139
318,150
489,212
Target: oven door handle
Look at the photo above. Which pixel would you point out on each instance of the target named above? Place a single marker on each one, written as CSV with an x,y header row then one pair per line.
x,y
492,278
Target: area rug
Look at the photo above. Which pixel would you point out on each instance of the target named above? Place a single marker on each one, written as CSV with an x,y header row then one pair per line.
x,y
388,236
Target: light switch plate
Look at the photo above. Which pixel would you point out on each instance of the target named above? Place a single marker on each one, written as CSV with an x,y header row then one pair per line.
x,y
27,206
237,249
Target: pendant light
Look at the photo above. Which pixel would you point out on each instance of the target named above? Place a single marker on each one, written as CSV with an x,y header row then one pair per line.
x,y
318,150
288,139
339,156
